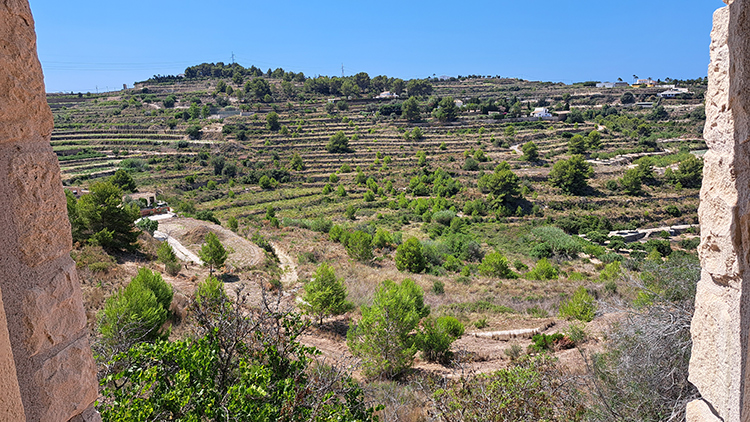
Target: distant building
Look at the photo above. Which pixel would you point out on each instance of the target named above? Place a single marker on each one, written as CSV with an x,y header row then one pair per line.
x,y
458,103
673,92
612,85
387,95
149,204
645,105
541,112
76,191
647,82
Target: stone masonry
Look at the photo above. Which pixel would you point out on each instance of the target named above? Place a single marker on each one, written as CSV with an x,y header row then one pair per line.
x,y
720,362
47,372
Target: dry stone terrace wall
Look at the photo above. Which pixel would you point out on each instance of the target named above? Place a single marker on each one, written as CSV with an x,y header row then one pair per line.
x,y
721,325
47,372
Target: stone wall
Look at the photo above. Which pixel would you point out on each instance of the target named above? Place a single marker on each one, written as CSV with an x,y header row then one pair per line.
x,y
49,359
720,328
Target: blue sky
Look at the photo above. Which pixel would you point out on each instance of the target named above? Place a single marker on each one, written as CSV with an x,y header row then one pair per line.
x,y
86,45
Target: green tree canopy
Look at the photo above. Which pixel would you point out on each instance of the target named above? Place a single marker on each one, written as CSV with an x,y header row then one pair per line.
x,y
272,122
410,109
409,256
577,145
447,110
571,175
502,186
384,337
105,220
123,180
212,252
418,88
338,143
325,294
530,151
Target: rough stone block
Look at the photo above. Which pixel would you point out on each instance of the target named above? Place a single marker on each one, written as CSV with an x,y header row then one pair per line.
x,y
39,207
53,313
23,107
698,411
11,406
69,380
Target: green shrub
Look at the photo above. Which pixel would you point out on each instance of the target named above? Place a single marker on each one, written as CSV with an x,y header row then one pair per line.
x,y
438,287
544,342
325,294
436,337
543,270
137,312
558,241
409,256
359,246
383,338
581,306
495,265
172,268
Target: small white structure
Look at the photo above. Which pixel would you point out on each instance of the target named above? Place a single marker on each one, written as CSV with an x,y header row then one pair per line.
x,y
618,84
458,103
673,92
541,112
387,95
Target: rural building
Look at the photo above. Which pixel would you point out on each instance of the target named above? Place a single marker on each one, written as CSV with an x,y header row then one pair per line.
x,y
605,85
673,92
387,95
541,112
148,202
647,82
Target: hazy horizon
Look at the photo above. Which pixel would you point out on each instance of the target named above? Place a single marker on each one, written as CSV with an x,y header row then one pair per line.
x,y
86,46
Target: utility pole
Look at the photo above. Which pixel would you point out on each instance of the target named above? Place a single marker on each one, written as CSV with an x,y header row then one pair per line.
x,y
342,70
232,57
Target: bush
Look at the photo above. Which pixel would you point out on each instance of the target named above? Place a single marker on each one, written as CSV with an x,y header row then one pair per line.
x,y
444,217
137,312
661,246
542,271
581,306
557,241
359,246
194,132
532,389
325,294
409,256
247,363
544,342
206,215
495,265
172,268
383,338
436,337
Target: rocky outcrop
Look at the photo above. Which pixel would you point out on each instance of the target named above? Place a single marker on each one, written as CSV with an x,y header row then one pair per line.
x,y
47,372
720,361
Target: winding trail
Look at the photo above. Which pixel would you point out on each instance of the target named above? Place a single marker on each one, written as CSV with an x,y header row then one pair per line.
x,y
183,253
289,274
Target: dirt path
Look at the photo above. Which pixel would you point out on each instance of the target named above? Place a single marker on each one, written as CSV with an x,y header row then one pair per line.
x,y
183,253
190,234
289,274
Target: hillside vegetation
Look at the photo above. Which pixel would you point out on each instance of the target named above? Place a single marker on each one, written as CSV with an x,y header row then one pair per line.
x,y
449,202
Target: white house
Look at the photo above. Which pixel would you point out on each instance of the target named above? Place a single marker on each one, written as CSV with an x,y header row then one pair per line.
x,y
673,92
387,95
605,85
541,112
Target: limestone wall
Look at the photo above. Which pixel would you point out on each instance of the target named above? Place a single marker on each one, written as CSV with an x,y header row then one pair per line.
x,y
52,363
721,324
